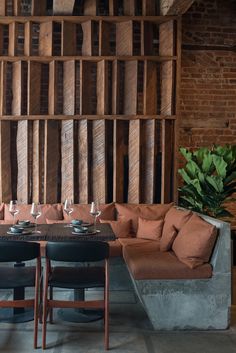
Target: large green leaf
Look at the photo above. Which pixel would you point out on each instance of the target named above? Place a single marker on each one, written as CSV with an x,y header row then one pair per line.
x,y
200,153
196,205
184,175
187,154
196,184
216,182
207,162
192,169
220,165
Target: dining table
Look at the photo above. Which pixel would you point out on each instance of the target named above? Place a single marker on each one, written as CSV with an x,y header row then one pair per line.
x,y
54,232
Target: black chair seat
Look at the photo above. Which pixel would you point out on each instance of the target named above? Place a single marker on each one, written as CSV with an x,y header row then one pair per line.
x,y
77,277
17,277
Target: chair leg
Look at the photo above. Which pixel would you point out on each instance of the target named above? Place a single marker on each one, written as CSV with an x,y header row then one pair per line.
x,y
41,299
106,307
51,309
45,311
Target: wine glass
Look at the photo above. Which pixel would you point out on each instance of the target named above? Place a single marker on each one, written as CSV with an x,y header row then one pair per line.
x,y
13,209
68,207
36,213
95,212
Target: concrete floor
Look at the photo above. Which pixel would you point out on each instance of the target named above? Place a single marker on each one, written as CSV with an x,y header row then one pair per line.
x,y
130,331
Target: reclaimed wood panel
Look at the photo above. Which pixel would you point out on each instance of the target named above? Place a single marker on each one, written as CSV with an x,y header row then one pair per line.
x,y
28,39
37,161
63,7
150,88
104,38
1,39
148,7
34,87
3,8
124,38
113,7
129,7
52,88
87,45
45,39
17,83
5,162
13,28
38,8
168,146
115,87
69,87
102,87
86,89
23,159
90,7
67,160
134,162
52,165
16,7
130,87
68,46
3,85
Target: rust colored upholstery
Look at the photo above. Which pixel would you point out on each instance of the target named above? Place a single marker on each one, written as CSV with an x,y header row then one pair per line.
x,y
82,211
146,262
134,211
52,221
2,211
120,228
168,238
115,248
53,212
195,241
136,241
149,229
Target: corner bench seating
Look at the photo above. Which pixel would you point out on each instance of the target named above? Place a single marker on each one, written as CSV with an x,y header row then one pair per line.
x,y
174,295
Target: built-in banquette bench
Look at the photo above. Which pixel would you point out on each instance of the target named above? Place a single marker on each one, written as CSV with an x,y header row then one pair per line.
x,y
179,262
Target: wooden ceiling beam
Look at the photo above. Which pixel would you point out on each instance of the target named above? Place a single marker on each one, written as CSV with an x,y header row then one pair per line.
x,y
174,7
63,7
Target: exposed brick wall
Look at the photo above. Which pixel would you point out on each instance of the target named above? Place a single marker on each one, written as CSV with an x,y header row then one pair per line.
x,y
208,87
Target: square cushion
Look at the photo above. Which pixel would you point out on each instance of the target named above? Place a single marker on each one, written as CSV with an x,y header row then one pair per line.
x,y
120,228
177,218
53,212
82,211
149,229
133,212
195,241
168,238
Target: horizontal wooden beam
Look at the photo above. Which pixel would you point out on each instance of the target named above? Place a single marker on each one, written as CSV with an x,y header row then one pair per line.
x,y
174,7
88,117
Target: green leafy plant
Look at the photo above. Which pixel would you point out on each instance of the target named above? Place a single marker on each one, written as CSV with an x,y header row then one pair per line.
x,y
209,179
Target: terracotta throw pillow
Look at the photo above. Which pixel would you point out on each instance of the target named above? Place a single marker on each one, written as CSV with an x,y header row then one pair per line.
x,y
82,211
133,212
195,241
149,229
177,218
168,238
120,228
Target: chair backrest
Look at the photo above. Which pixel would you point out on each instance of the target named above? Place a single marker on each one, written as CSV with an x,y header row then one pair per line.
x,y
77,251
18,250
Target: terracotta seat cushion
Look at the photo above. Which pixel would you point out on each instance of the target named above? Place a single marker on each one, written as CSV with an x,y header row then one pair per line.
x,y
82,211
136,241
134,211
146,262
195,241
53,212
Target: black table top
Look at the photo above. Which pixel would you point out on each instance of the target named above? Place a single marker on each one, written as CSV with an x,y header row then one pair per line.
x,y
57,232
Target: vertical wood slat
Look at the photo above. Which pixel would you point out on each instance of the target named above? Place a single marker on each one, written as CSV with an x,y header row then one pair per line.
x,y
86,89
69,87
34,88
28,39
5,161
102,87
68,45
148,161
51,162
16,87
113,7
146,38
37,163
148,7
119,153
1,39
99,163
38,8
131,87
52,89
2,88
84,170
23,179
124,38
3,7
167,161
104,38
129,8
87,45
90,7
45,39
115,87
134,161
150,88
17,7
13,28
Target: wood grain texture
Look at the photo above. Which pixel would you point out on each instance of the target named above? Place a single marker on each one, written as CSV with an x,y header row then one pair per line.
x,y
63,7
90,7
150,88
16,87
174,7
115,87
130,87
148,161
86,89
102,87
37,161
38,8
1,39
52,166
167,161
3,88
124,38
45,39
52,88
34,87
69,87
129,8
23,158
5,162
134,162
3,8
148,7
67,159
166,37
16,7
104,38
87,45
113,7
120,152
99,164
68,46
13,27
28,39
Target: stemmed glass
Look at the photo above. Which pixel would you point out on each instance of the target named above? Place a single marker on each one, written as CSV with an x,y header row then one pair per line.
x,y
36,213
95,212
13,209
68,207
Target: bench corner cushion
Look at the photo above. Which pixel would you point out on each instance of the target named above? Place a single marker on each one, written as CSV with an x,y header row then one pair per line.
x,y
195,241
146,262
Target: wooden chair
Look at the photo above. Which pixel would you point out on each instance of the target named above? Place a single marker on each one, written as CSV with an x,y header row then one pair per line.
x,y
22,276
76,277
